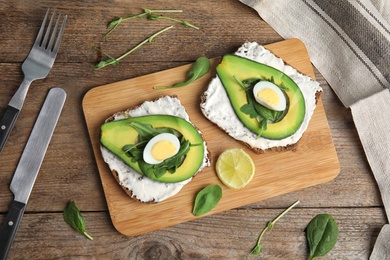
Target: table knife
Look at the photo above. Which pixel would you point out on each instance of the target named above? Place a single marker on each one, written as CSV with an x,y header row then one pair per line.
x,y
29,164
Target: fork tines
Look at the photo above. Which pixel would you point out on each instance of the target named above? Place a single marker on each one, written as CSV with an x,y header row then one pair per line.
x,y
43,43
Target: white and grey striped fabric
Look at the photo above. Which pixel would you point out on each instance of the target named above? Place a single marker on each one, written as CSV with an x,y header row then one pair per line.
x,y
349,43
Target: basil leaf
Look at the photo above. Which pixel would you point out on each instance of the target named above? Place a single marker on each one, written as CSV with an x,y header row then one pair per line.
x,y
198,70
207,199
321,233
73,218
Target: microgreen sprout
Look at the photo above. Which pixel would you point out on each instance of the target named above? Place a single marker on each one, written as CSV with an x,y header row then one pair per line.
x,y
150,14
185,23
115,61
257,249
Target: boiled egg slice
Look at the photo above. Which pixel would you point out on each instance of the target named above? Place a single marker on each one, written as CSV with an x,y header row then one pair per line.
x,y
269,95
161,147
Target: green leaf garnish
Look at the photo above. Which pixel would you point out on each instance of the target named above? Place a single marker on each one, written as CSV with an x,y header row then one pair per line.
x,y
198,70
73,217
257,249
255,110
115,61
135,151
322,233
150,14
185,23
207,199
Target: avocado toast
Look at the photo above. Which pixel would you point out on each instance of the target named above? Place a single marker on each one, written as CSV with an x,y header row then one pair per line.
x,y
231,100
124,145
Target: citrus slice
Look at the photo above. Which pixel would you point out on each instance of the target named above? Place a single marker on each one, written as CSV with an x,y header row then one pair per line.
x,y
235,168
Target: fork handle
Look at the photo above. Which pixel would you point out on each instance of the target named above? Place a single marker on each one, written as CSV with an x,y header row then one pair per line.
x,y
7,122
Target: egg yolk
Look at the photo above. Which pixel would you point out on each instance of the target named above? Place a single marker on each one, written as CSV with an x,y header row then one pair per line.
x,y
269,96
162,150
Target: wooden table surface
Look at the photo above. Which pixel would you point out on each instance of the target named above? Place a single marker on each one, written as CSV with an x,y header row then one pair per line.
x,y
69,170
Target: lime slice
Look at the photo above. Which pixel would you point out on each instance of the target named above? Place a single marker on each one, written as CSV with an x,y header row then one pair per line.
x,y
235,168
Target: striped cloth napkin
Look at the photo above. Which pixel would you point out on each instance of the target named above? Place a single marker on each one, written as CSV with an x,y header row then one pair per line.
x,y
349,43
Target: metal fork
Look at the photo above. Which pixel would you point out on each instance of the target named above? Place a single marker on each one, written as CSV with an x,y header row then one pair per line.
x,y
36,66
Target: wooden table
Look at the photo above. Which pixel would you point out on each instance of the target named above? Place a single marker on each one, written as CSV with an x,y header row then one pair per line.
x,y
69,170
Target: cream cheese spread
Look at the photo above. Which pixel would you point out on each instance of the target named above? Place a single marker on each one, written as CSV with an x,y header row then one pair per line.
x,y
141,187
217,107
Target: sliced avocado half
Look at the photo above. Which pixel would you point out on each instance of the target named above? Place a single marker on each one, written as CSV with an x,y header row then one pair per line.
x,y
235,66
116,134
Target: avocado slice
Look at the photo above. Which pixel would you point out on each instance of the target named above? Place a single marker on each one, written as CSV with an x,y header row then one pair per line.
x,y
116,134
243,68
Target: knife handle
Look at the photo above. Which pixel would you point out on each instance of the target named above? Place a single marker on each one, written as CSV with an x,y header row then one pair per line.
x,y
7,122
8,231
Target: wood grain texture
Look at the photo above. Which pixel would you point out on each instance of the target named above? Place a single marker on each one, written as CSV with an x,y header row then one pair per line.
x,y
277,172
227,235
69,170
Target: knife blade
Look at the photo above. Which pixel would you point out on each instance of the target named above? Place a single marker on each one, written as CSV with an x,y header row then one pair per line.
x,y
29,164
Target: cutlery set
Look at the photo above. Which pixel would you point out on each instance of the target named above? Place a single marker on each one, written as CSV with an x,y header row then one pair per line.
x,y
36,66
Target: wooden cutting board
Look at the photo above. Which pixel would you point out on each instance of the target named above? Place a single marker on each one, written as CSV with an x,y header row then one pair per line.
x,y
314,161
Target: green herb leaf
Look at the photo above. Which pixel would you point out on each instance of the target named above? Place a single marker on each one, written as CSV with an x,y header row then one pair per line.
x,y
135,151
321,233
155,171
251,82
255,110
73,217
198,70
113,24
249,109
207,199
257,249
185,23
115,61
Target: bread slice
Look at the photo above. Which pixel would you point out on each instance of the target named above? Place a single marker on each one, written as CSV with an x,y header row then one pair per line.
x,y
216,106
137,186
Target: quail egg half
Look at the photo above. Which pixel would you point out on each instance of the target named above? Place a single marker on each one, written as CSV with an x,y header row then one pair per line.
x,y
269,95
161,147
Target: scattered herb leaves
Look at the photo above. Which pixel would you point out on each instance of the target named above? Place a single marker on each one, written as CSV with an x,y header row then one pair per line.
x,y
255,110
257,249
155,171
185,23
73,217
198,70
135,151
321,233
207,199
150,14
115,61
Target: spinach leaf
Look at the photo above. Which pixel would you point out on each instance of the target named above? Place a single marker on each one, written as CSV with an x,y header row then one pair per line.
x,y
73,217
207,199
198,70
321,233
